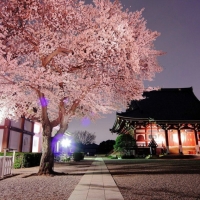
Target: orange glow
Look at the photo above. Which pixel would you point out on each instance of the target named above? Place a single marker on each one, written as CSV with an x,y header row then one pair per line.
x,y
175,138
183,136
160,139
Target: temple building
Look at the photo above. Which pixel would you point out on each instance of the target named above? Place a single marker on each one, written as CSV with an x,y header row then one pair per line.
x,y
168,119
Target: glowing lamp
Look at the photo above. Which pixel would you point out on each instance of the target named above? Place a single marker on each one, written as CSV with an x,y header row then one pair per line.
x,y
66,142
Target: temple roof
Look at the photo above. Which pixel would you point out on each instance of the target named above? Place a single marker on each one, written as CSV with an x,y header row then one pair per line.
x,y
165,104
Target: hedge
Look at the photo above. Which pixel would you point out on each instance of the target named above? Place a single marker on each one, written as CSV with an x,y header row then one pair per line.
x,y
25,159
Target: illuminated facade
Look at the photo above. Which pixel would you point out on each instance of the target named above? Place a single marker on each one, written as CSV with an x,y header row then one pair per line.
x,y
22,135
170,116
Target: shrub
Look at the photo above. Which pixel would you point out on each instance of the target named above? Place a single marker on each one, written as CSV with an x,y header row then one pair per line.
x,y
113,157
25,159
64,158
78,156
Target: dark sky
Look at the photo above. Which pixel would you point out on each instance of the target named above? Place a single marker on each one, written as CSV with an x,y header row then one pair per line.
x,y
178,21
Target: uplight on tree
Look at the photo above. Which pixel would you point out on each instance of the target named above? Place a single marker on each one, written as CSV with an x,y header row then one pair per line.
x,y
65,142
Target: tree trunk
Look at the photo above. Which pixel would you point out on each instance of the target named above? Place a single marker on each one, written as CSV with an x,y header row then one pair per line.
x,y
63,127
47,159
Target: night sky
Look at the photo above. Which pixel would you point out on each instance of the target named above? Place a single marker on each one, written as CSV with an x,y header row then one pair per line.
x,y
178,21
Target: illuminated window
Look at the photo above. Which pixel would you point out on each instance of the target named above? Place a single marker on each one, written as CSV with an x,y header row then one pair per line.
x,y
36,128
175,138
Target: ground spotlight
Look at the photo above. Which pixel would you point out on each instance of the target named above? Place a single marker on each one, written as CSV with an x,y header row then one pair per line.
x,y
65,142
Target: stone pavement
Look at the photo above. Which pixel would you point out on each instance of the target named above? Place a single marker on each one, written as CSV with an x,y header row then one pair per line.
x,y
96,184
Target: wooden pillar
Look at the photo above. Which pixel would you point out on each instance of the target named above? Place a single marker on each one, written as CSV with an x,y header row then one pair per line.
x,y
21,134
196,140
167,141
146,134
180,142
31,142
133,133
6,134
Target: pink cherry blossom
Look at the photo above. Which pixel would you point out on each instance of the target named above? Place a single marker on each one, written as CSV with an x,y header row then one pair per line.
x,y
83,58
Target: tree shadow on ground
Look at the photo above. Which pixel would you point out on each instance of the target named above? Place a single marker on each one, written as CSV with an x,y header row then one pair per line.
x,y
154,167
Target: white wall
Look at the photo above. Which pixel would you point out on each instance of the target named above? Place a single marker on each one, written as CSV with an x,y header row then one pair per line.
x,y
27,126
35,144
14,140
26,143
37,138
1,139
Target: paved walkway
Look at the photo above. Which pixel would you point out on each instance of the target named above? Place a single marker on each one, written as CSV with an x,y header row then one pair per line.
x,y
96,184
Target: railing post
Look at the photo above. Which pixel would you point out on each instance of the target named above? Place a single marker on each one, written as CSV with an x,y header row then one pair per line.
x,y
13,159
3,163
2,168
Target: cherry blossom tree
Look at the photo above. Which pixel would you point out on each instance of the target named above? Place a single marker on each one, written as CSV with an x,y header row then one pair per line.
x,y
63,59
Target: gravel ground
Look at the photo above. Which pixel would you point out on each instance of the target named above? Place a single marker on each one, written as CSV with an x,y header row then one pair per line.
x,y
27,186
142,179
137,179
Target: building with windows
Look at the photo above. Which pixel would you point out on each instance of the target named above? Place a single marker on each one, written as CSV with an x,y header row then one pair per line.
x,y
167,118
25,136
22,135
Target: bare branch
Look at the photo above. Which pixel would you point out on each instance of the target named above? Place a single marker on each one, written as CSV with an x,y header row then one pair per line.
x,y
84,137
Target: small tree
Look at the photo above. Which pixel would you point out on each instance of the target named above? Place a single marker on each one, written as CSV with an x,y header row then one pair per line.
x,y
84,137
106,146
124,143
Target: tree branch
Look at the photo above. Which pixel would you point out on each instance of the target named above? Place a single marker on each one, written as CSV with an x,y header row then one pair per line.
x,y
74,106
59,50
11,82
77,101
28,37
57,121
44,107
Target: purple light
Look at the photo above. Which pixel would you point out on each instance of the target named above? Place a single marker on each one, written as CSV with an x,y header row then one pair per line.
x,y
44,102
66,100
85,121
